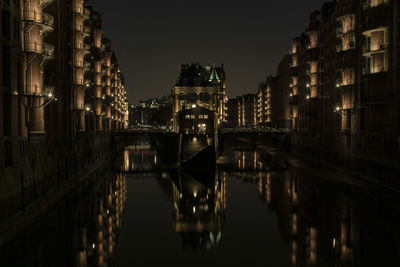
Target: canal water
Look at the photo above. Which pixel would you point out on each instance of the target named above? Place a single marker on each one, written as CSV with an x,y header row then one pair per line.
x,y
244,212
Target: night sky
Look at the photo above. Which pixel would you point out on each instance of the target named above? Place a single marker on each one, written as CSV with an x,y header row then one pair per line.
x,y
153,38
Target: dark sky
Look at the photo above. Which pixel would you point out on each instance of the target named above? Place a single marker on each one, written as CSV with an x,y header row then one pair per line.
x,y
153,37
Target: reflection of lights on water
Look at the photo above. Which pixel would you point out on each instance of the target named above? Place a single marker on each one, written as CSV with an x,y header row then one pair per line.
x,y
126,160
93,245
195,193
194,209
164,175
108,211
334,243
180,195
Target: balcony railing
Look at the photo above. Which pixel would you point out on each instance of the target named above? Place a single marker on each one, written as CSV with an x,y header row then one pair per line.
x,y
32,16
87,65
33,90
367,48
48,50
86,13
33,47
369,3
78,10
79,64
45,3
82,29
39,18
86,30
48,20
374,69
86,47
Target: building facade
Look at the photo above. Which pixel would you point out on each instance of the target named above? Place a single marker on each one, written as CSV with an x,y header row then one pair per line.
x,y
61,94
199,86
337,90
247,110
344,99
232,113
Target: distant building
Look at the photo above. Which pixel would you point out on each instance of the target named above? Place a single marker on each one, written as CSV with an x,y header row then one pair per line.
x,y
199,86
154,102
264,99
247,110
232,113
280,96
154,112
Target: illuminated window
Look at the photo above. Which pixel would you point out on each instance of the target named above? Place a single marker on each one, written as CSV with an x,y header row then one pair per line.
x,y
205,116
187,117
192,116
200,116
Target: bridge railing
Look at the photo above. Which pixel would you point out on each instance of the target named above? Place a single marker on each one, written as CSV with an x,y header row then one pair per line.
x,y
257,129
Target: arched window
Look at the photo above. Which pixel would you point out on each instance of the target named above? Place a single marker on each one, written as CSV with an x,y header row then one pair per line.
x,y
206,97
181,96
191,97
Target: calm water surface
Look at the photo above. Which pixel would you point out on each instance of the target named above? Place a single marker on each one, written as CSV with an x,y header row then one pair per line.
x,y
244,213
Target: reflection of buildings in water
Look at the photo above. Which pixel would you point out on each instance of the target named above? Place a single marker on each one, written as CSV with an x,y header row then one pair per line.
x,y
248,160
199,208
140,157
97,237
319,225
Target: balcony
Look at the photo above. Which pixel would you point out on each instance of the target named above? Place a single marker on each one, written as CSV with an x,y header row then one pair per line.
x,y
79,11
86,48
87,66
86,30
369,51
340,83
374,69
45,3
86,13
46,50
48,21
367,4
78,64
348,45
39,18
33,90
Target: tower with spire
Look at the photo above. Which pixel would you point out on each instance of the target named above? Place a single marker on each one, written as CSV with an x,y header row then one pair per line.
x,y
203,87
